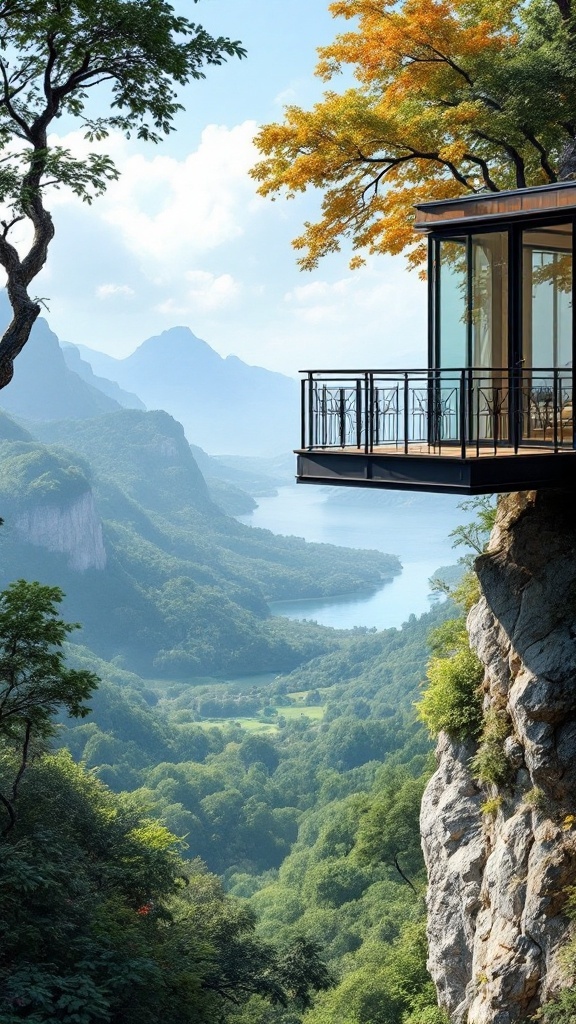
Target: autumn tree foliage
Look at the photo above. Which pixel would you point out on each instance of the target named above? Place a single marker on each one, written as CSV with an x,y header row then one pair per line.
x,y
451,97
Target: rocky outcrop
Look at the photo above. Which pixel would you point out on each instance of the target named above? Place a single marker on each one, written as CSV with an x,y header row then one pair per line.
x,y
497,880
73,529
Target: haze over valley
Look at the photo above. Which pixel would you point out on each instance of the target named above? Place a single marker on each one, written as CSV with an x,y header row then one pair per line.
x,y
228,705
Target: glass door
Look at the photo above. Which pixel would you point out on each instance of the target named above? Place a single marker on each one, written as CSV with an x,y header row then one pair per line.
x,y
488,293
471,336
451,337
547,333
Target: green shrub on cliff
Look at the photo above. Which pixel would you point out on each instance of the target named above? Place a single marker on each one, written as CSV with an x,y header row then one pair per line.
x,y
452,702
490,763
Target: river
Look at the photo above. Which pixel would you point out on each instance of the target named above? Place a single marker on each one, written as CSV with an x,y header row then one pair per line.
x,y
414,527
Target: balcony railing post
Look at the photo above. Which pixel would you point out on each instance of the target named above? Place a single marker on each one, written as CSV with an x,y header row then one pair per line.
x,y
342,418
397,415
303,413
366,409
572,396
406,417
476,412
310,410
323,419
358,413
516,407
371,414
463,414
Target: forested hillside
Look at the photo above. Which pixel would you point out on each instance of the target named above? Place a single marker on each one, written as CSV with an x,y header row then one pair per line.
x,y
260,862
185,587
309,810
219,852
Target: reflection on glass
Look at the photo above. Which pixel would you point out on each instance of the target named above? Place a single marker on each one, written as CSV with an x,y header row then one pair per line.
x,y
547,300
473,327
489,314
452,306
547,334
484,284
530,399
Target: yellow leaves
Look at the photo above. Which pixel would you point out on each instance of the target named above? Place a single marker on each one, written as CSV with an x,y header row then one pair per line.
x,y
454,152
444,106
569,822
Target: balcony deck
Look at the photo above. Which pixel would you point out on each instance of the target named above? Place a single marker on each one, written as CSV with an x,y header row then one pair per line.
x,y
457,431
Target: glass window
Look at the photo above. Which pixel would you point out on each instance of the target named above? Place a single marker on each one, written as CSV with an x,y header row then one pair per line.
x,y
472,319
547,297
489,294
475,274
451,312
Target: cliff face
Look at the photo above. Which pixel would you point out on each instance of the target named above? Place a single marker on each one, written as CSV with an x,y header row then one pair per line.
x,y
497,880
73,529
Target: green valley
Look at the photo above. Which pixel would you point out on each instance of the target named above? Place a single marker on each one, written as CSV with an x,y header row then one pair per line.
x,y
230,834
184,588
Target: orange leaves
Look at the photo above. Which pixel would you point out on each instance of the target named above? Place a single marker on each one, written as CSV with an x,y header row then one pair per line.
x,y
452,96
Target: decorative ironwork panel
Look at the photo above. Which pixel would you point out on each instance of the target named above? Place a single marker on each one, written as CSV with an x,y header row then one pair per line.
x,y
431,410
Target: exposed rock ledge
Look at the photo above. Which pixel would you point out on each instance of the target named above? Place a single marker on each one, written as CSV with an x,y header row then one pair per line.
x,y
74,529
497,882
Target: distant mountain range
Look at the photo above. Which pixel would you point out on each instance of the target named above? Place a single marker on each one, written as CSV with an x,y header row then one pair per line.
x,y
51,385
74,362
225,405
44,388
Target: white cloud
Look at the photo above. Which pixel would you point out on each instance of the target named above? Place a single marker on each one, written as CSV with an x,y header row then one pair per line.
x,y
375,316
191,239
205,293
169,211
109,291
286,97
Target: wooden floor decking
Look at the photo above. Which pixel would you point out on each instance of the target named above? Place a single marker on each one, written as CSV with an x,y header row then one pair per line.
x,y
443,451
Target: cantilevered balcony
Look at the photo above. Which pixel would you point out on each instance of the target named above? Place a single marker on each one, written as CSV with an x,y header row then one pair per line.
x,y
467,431
500,309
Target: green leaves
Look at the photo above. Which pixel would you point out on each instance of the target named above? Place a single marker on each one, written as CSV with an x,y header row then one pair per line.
x,y
34,681
452,701
53,53
58,51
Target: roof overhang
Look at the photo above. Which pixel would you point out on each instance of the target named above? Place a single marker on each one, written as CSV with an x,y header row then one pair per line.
x,y
480,209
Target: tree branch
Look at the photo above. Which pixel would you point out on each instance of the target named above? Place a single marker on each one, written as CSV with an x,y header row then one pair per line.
x,y
512,153
6,803
24,761
400,872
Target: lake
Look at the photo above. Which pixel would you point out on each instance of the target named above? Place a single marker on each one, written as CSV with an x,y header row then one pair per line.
x,y
414,527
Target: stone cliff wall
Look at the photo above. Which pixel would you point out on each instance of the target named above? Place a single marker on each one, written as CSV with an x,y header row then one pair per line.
x,y
74,529
497,880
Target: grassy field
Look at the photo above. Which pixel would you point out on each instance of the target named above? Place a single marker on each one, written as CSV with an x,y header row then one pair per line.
x,y
250,724
313,712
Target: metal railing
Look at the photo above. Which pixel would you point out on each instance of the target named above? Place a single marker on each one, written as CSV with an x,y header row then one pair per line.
x,y
408,411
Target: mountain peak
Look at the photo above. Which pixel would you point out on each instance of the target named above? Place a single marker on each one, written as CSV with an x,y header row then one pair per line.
x,y
176,341
225,405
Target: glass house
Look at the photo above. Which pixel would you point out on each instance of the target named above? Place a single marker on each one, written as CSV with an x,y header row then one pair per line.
x,y
493,409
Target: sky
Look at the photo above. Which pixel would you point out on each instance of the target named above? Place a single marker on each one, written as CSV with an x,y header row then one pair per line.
x,y
183,239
